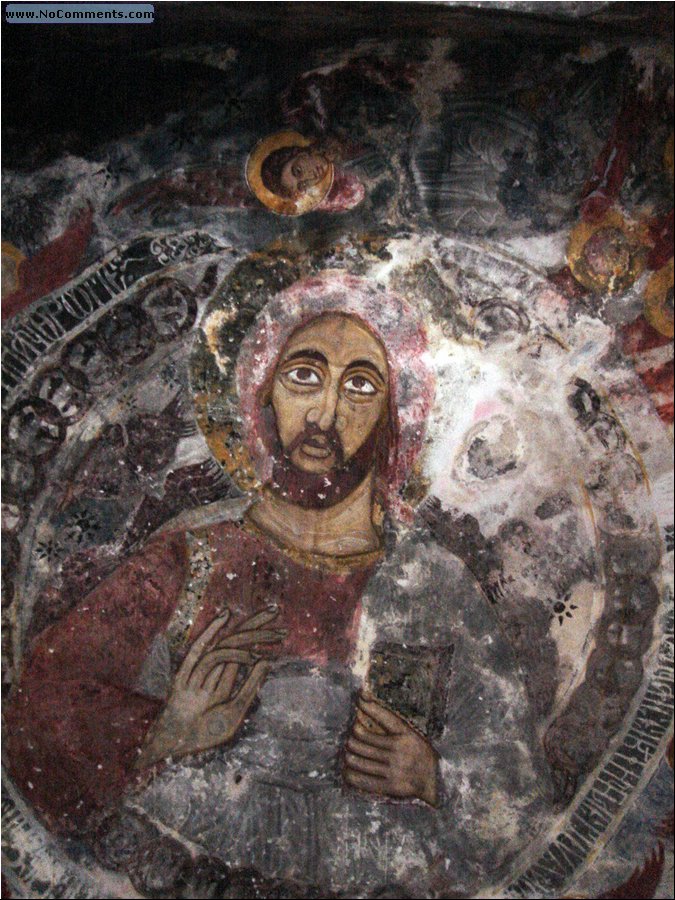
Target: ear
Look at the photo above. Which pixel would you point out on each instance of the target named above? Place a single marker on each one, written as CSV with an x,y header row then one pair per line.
x,y
265,393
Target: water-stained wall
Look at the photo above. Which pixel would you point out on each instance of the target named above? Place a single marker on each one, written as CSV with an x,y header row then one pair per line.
x,y
435,624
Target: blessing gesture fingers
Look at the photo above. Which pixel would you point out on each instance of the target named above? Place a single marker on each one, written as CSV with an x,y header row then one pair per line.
x,y
217,664
209,700
385,755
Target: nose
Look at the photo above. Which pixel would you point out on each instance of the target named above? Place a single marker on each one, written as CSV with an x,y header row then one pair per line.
x,y
324,411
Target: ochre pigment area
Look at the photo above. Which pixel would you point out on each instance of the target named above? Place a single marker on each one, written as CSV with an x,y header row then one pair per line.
x,y
337,390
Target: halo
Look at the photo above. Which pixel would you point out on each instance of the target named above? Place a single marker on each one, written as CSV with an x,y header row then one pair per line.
x,y
12,258
615,281
228,317
284,206
226,325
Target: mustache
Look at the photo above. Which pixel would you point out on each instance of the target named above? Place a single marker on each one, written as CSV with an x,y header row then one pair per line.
x,y
330,436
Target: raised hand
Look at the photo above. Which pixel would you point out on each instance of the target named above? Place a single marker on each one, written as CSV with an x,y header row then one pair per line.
x,y
386,756
204,709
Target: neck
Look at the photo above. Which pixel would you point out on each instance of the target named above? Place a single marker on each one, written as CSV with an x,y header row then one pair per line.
x,y
340,530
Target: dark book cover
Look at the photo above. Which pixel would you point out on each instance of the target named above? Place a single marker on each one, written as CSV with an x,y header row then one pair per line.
x,y
413,682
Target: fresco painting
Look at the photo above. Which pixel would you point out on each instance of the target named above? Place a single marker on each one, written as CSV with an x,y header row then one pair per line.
x,y
337,470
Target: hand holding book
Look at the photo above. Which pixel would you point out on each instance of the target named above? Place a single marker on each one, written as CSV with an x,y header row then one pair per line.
x,y
385,755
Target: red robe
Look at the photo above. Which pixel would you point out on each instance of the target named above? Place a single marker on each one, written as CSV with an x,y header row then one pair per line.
x,y
77,719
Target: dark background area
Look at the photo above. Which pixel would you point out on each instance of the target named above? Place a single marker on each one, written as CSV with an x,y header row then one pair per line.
x,y
67,89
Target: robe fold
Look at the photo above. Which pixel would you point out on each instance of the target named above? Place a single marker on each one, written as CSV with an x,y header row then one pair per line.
x,y
273,799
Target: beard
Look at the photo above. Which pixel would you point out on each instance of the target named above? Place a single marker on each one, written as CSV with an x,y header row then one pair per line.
x,y
321,490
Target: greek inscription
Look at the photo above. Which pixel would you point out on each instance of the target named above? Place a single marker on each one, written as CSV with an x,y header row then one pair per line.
x,y
584,829
55,317
596,811
563,859
611,789
547,881
648,728
621,774
633,755
644,744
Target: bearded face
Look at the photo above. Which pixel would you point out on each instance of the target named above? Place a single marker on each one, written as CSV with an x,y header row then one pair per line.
x,y
330,403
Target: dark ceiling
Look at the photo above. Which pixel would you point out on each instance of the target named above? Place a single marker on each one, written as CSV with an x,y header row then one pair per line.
x,y
70,88
322,22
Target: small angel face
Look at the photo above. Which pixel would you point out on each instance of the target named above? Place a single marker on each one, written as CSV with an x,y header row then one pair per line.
x,y
302,172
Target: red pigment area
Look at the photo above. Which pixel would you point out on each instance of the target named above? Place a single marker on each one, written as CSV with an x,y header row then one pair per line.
x,y
76,720
51,266
639,338
319,609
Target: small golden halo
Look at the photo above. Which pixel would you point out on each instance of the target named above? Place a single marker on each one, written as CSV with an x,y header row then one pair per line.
x,y
659,300
12,258
607,256
284,206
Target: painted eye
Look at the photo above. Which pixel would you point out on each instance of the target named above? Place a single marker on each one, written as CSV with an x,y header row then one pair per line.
x,y
357,384
304,376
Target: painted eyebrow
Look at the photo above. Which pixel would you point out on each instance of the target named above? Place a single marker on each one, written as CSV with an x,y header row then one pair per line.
x,y
307,354
319,357
366,364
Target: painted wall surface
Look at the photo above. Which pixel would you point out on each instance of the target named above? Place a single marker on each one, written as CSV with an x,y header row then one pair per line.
x,y
337,464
